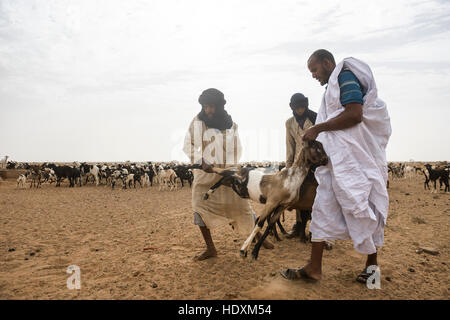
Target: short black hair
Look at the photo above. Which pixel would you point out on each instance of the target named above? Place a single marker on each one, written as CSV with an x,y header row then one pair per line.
x,y
323,54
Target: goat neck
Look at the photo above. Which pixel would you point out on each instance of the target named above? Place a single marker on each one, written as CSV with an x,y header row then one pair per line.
x,y
300,161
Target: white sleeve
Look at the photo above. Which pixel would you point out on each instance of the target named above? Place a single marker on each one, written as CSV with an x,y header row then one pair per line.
x,y
193,151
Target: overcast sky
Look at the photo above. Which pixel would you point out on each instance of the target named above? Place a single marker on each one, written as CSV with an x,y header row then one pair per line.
x,y
119,80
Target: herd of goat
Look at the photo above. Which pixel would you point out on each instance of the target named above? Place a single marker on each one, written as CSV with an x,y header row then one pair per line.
x,y
170,175
167,175
431,173
126,175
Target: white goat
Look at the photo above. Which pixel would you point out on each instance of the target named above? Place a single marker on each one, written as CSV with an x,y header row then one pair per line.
x,y
21,181
146,180
4,162
410,172
130,179
167,178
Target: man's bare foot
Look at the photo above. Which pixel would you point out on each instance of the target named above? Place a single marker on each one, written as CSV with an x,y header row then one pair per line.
x,y
205,255
311,273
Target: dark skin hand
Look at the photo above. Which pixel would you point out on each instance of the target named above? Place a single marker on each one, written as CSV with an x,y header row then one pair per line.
x,y
351,116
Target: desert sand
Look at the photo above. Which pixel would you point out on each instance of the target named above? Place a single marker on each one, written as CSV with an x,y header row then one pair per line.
x,y
104,232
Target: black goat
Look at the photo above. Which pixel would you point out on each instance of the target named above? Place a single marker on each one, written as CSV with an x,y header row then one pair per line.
x,y
66,172
184,173
434,175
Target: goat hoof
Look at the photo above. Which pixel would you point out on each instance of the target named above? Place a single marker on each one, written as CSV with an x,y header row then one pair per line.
x,y
206,196
243,254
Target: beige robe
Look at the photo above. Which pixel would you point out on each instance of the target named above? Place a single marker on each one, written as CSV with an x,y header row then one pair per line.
x,y
294,136
224,206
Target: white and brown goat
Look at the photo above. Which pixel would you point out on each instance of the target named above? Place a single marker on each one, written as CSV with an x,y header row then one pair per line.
x,y
280,191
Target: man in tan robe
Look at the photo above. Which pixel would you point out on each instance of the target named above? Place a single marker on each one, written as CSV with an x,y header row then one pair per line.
x,y
302,119
212,139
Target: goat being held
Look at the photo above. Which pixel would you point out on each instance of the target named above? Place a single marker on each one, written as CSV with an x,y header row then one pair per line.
x,y
278,191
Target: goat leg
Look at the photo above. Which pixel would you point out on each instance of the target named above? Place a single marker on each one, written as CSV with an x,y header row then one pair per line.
x,y
257,247
213,188
275,232
305,216
268,209
281,226
249,240
271,225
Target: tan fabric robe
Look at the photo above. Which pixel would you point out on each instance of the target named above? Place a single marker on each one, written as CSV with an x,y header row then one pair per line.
x,y
294,136
224,206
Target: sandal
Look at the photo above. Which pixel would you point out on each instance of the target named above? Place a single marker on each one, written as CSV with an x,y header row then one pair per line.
x,y
292,274
363,276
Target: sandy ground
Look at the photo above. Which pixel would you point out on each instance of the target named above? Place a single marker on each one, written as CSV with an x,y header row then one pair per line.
x,y
104,231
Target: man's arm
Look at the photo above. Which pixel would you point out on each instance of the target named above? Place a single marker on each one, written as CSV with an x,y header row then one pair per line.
x,y
238,146
351,116
194,152
351,97
290,147
188,147
193,149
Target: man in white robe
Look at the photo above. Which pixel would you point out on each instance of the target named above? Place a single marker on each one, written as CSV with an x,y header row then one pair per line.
x,y
212,139
352,200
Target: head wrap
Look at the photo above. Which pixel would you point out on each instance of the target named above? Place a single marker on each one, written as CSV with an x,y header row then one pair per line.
x,y
212,96
298,100
221,119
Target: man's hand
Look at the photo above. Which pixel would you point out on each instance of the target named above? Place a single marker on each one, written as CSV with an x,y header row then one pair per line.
x,y
351,116
311,134
206,167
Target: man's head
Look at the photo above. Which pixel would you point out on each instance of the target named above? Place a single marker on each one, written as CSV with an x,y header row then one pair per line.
x,y
212,101
298,103
213,112
321,64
